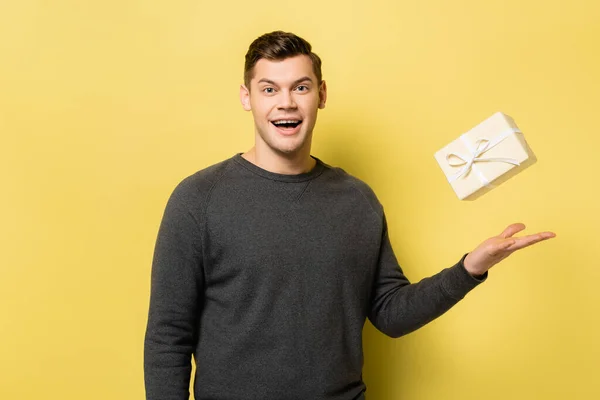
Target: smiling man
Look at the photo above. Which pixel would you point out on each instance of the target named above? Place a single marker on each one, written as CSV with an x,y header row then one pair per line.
x,y
268,264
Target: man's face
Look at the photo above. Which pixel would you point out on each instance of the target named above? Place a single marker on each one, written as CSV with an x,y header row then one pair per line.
x,y
284,97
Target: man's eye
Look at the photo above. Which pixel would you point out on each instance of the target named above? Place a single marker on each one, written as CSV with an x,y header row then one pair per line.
x,y
269,90
302,88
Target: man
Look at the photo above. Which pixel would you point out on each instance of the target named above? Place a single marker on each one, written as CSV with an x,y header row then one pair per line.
x,y
267,264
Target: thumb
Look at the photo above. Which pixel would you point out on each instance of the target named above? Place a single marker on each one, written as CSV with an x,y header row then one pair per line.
x,y
512,229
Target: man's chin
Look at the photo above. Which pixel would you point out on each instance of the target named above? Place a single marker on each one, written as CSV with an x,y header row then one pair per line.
x,y
289,150
286,146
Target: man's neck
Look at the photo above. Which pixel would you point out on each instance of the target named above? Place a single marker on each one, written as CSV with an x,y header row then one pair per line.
x,y
293,165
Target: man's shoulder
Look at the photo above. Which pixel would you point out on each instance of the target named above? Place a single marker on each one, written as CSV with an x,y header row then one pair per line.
x,y
211,174
357,185
199,184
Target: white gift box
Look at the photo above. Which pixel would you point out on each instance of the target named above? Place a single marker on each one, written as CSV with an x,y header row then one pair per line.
x,y
485,157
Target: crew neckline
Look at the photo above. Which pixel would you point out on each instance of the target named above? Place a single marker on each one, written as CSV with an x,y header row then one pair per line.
x,y
305,176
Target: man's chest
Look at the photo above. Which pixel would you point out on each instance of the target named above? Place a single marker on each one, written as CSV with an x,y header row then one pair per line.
x,y
292,241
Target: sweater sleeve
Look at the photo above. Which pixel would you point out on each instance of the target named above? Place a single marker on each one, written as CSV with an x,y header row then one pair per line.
x,y
175,299
399,307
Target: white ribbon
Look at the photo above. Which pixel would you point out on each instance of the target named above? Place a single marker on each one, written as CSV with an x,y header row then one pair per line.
x,y
481,146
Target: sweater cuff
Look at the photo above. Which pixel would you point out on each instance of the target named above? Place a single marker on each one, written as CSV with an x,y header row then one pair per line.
x,y
459,281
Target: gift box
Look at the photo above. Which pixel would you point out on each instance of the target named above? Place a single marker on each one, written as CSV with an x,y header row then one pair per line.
x,y
485,157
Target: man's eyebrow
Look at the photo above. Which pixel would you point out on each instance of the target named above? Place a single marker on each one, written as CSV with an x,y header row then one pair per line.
x,y
303,79
297,81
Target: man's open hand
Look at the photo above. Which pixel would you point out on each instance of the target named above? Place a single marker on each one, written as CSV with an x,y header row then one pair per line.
x,y
497,248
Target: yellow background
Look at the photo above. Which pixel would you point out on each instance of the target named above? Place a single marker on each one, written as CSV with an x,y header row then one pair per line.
x,y
106,105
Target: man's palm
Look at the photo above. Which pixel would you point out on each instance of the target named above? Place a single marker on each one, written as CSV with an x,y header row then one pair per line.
x,y
497,248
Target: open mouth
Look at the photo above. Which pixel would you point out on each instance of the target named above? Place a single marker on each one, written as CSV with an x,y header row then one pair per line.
x,y
287,123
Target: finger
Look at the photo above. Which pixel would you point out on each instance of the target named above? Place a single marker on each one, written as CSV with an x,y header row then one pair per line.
x,y
512,229
526,241
502,246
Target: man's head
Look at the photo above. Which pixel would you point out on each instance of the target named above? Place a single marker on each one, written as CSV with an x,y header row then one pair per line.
x,y
283,88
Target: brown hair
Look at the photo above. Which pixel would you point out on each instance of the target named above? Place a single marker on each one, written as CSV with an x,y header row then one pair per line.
x,y
277,46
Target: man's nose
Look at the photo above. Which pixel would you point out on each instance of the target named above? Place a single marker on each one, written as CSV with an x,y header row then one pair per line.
x,y
287,100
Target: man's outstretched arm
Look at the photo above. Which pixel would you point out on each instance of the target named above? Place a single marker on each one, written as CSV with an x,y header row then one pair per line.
x,y
399,307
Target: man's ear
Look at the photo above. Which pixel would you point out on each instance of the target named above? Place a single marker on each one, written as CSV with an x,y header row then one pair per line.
x,y
322,94
245,98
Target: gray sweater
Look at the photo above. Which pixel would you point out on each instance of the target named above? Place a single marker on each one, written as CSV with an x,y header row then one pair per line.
x,y
267,279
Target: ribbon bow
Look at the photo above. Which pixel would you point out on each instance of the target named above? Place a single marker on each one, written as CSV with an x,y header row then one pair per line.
x,y
481,146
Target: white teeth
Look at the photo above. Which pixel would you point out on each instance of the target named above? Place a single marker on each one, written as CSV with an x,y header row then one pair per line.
x,y
287,121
